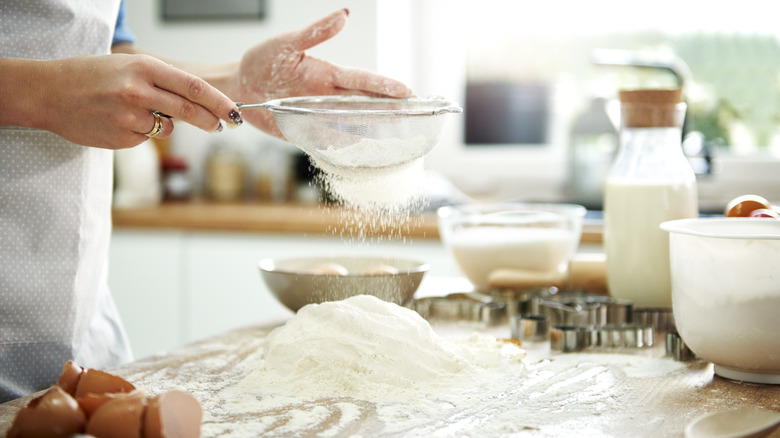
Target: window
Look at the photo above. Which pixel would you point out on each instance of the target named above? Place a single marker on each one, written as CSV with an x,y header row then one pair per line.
x,y
528,73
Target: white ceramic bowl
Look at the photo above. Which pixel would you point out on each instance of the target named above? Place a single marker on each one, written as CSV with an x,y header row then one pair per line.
x,y
295,284
529,238
726,293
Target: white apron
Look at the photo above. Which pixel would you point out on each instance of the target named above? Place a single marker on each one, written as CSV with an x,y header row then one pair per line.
x,y
55,224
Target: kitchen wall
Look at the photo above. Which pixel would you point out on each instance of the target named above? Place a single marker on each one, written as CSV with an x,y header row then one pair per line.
x,y
422,42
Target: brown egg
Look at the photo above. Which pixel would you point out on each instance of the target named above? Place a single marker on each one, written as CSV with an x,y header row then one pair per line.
x,y
54,414
174,414
380,270
100,382
92,402
742,206
118,418
69,380
329,268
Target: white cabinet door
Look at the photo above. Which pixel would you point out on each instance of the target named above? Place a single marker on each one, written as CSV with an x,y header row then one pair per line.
x,y
224,284
145,273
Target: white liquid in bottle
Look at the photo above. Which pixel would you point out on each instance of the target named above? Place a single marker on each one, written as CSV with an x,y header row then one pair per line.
x,y
649,182
638,262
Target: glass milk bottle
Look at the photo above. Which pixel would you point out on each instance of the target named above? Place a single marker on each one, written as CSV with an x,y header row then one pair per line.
x,y
649,182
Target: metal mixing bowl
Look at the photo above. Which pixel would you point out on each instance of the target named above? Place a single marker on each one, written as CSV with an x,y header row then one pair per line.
x,y
292,282
360,131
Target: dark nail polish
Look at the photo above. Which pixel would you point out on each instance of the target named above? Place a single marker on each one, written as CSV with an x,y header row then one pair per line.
x,y
219,127
235,117
346,11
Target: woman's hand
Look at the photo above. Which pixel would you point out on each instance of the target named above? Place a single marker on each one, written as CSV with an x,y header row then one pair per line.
x,y
280,67
107,101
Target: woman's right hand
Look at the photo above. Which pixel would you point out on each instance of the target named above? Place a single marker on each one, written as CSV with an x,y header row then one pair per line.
x,y
107,101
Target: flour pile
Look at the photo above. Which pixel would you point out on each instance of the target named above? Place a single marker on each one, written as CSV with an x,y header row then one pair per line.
x,y
364,367
366,348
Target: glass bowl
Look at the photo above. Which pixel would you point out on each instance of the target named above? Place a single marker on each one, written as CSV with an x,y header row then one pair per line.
x,y
529,240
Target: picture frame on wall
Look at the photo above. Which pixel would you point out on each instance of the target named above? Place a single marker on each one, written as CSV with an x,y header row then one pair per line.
x,y
207,10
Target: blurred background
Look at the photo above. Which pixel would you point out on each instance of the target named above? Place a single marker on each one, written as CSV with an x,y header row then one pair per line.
x,y
537,82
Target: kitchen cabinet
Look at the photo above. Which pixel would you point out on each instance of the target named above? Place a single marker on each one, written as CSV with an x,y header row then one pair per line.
x,y
175,286
146,282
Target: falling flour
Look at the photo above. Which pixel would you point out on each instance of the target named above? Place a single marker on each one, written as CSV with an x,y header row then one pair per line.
x,y
379,182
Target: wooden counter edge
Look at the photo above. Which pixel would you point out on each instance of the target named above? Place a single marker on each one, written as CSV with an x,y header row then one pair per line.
x,y
282,218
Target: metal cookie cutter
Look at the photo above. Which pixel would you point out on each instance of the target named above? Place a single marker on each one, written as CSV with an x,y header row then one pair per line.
x,y
586,309
661,319
625,336
531,328
569,313
676,348
471,306
567,338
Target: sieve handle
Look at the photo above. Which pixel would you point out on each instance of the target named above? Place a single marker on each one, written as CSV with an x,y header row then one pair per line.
x,y
242,106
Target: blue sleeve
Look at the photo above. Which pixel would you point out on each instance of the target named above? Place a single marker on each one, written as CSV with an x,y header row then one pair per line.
x,y
122,33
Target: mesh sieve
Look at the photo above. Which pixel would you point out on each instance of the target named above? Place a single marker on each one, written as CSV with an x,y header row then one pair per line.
x,y
360,131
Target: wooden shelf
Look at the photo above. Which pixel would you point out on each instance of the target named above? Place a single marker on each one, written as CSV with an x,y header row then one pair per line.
x,y
283,218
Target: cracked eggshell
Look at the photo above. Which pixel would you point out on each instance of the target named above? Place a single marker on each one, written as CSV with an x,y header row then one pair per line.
x,y
54,414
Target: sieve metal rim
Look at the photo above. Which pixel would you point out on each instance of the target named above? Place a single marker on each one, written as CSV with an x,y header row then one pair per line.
x,y
286,105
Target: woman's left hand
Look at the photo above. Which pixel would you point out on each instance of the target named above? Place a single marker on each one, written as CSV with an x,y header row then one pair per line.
x,y
280,67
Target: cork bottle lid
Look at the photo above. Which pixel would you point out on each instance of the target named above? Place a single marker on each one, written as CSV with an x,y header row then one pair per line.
x,y
650,107
652,96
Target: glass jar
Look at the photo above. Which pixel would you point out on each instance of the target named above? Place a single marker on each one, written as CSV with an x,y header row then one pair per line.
x,y
225,170
649,182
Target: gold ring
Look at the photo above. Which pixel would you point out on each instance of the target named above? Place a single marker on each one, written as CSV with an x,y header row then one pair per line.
x,y
158,125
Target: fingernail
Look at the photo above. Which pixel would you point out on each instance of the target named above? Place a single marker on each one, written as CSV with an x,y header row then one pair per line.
x,y
346,11
219,127
235,117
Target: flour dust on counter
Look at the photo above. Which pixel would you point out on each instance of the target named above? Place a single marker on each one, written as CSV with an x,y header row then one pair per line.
x,y
365,367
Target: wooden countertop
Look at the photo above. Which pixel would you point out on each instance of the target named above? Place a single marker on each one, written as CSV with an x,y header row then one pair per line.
x,y
580,396
283,218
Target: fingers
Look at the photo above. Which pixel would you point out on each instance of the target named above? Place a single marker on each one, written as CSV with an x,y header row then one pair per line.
x,y
189,98
320,31
367,82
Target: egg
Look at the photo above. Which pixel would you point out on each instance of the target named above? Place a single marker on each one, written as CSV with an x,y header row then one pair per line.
x,y
54,414
94,381
71,374
118,418
380,270
329,268
92,402
106,406
742,206
174,414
